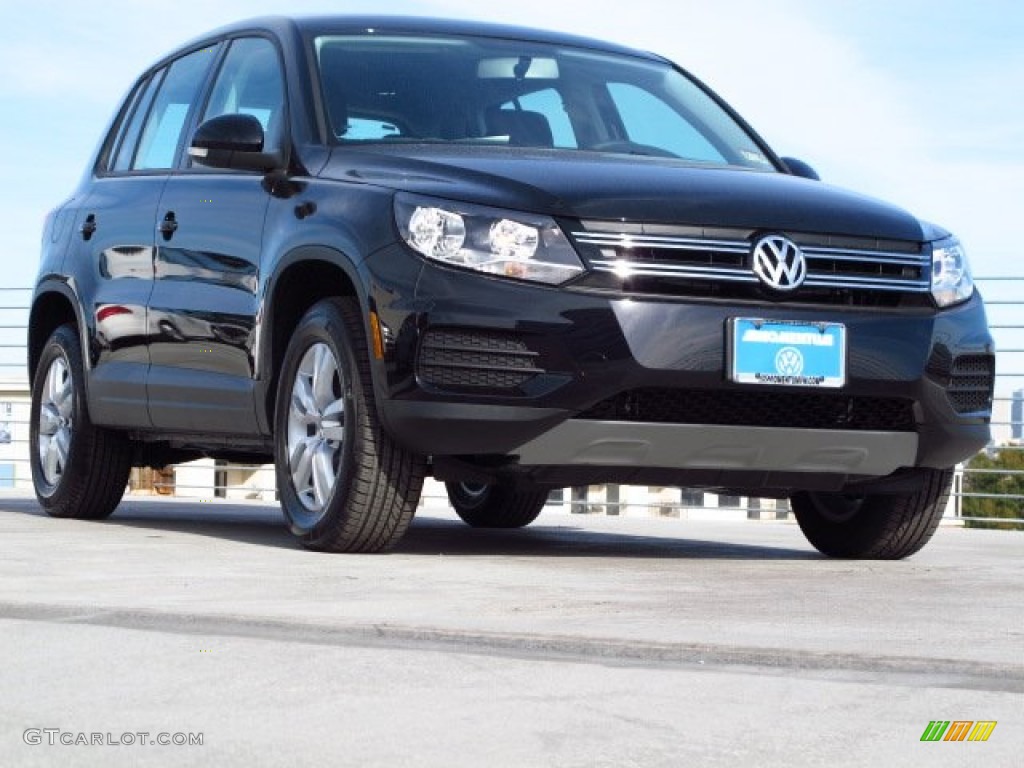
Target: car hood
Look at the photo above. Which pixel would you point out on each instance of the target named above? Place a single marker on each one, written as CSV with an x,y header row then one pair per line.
x,y
597,186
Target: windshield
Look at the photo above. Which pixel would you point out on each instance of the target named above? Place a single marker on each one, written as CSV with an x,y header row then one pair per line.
x,y
380,88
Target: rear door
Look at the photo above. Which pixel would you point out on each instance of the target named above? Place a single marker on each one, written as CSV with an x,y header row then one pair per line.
x,y
116,238
203,309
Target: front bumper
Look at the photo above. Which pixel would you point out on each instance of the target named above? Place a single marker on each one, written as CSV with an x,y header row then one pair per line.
x,y
550,363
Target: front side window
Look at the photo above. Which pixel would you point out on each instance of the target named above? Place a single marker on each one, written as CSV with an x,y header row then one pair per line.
x,y
251,83
161,135
390,89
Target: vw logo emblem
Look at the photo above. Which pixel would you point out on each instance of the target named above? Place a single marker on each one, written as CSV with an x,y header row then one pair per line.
x,y
789,361
779,263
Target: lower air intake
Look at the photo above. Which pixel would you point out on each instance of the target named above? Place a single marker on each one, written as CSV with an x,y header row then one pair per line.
x,y
757,409
469,359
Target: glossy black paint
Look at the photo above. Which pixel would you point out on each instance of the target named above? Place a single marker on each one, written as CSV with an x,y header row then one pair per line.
x,y
186,283
623,188
111,262
204,304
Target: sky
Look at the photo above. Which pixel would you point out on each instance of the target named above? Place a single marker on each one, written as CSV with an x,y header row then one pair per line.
x,y
919,102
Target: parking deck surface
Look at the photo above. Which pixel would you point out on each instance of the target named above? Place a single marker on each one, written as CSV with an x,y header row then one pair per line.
x,y
579,641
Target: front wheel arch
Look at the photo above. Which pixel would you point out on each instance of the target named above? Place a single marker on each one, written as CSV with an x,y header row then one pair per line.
x,y
303,277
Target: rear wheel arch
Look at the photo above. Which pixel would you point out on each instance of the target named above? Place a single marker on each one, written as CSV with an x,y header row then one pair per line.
x,y
53,305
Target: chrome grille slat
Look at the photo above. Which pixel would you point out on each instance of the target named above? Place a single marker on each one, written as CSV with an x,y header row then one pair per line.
x,y
684,275
901,287
668,270
654,241
813,251
865,279
889,260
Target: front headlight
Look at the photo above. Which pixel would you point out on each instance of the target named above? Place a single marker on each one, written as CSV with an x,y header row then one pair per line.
x,y
506,243
951,274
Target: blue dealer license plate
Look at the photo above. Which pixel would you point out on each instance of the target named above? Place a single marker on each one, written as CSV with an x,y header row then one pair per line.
x,y
788,353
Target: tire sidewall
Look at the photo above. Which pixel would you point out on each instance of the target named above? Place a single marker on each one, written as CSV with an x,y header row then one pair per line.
x,y
883,526
322,324
843,536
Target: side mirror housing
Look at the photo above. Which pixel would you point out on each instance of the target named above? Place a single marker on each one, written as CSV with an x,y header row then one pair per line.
x,y
800,168
232,141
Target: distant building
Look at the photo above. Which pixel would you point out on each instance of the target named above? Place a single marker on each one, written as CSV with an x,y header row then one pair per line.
x,y
1017,415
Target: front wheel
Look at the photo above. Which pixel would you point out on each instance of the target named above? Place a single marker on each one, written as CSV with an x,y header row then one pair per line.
x,y
874,526
495,506
345,485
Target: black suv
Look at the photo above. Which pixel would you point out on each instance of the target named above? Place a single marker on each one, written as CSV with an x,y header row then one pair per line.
x,y
380,248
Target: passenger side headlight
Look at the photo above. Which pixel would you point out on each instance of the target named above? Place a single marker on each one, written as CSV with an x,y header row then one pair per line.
x,y
951,273
524,246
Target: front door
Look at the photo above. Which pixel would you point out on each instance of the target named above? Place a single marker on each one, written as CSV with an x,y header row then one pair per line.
x,y
203,309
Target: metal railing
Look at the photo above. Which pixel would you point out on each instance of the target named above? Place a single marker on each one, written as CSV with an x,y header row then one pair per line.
x,y
985,489
990,491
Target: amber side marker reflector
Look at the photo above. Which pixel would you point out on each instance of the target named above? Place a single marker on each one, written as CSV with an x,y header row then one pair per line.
x,y
378,338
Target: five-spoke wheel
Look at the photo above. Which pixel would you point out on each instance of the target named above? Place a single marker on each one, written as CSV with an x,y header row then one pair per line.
x,y
316,427
56,424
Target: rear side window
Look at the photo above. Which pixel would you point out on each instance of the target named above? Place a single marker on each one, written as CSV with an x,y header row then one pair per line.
x,y
124,152
161,134
251,83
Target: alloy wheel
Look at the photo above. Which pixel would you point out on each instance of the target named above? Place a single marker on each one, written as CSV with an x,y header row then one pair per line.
x,y
56,422
316,428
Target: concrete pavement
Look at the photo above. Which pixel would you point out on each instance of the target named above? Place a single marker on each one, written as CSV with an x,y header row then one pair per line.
x,y
577,641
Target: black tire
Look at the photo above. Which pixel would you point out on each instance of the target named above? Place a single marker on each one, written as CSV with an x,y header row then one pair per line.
x,y
376,483
874,527
89,471
495,506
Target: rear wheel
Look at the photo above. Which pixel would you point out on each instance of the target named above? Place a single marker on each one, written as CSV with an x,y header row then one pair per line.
x,y
345,485
78,469
495,506
874,526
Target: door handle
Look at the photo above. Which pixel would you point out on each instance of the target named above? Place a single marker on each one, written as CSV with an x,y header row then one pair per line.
x,y
168,225
88,228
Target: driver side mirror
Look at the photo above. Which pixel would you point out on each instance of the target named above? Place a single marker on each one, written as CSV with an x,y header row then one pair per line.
x,y
232,141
